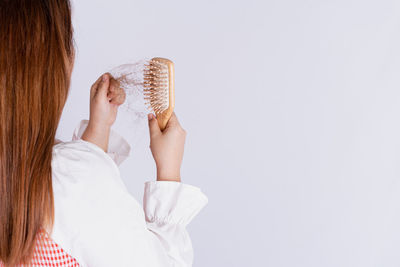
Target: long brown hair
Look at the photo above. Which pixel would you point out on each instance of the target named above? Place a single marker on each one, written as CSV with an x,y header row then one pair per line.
x,y
36,50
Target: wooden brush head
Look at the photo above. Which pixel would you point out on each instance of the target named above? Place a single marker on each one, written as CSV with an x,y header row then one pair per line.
x,y
159,88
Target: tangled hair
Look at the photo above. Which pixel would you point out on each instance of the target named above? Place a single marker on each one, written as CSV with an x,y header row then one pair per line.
x,y
36,52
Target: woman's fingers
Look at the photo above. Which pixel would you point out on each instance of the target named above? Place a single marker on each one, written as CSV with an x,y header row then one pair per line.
x,y
173,121
103,86
108,87
100,87
116,94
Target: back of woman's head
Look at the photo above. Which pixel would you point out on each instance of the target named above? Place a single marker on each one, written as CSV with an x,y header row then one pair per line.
x,y
36,52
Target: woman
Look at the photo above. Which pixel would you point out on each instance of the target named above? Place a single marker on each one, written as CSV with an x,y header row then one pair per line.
x,y
71,192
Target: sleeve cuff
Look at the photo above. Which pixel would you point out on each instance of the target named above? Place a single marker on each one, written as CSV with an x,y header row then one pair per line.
x,y
118,147
172,202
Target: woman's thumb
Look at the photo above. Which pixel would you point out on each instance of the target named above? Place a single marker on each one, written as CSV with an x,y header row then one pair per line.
x,y
103,86
153,125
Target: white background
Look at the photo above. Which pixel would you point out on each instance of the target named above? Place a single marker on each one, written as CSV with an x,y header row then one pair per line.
x,y
292,113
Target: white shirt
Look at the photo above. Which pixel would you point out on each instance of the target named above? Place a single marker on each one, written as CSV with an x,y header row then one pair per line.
x,y
99,223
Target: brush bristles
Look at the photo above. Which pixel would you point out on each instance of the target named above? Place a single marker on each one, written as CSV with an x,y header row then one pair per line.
x,y
156,86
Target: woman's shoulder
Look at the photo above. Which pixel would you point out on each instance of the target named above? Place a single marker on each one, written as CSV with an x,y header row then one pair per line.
x,y
78,166
80,156
80,149
81,162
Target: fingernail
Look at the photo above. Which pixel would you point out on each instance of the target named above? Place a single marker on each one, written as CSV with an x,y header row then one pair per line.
x,y
150,116
105,77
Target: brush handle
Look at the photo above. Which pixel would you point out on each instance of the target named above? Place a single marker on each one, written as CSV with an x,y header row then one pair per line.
x,y
163,118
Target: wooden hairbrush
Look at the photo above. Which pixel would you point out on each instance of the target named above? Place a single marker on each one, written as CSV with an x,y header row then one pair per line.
x,y
159,88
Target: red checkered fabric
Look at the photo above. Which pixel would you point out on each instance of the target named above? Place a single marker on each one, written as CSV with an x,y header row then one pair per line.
x,y
49,254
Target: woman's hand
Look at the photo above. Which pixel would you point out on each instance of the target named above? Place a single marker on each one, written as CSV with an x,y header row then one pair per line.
x,y
105,97
167,148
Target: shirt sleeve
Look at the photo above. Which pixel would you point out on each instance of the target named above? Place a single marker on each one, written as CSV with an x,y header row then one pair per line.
x,y
154,234
169,207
